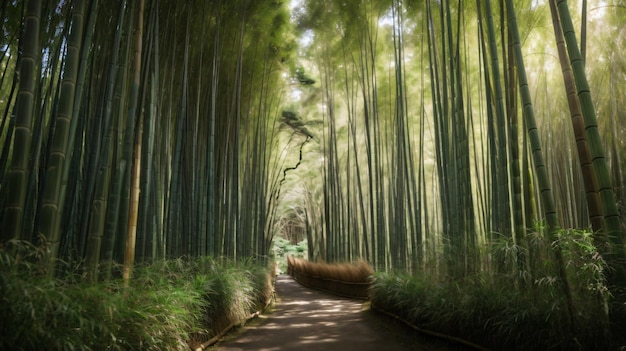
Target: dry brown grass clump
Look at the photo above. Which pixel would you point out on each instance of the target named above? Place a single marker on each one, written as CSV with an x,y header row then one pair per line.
x,y
356,272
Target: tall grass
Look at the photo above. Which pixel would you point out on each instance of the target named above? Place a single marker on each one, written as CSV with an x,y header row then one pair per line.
x,y
343,279
356,272
169,305
502,312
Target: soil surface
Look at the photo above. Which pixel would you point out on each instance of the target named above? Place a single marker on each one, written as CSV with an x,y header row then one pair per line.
x,y
305,319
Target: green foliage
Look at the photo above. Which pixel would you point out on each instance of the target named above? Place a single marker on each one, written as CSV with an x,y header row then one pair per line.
x,y
398,100
168,303
282,248
504,312
585,266
302,77
294,122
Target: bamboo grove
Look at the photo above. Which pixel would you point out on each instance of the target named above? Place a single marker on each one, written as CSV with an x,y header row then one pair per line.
x,y
142,130
464,138
444,137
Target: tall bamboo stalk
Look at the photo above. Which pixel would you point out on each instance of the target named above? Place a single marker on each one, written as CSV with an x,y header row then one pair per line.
x,y
17,178
543,183
146,233
97,220
131,235
53,195
594,205
616,253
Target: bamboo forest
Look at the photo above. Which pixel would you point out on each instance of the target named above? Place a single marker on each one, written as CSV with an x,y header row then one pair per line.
x,y
154,153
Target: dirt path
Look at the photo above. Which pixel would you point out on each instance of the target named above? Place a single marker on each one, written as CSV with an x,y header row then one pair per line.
x,y
305,319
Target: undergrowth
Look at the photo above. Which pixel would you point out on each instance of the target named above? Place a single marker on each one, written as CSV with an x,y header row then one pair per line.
x,y
281,248
169,305
517,311
355,272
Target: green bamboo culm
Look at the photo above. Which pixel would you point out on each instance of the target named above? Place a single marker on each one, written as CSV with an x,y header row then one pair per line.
x,y
501,216
146,235
17,178
502,223
67,200
543,182
616,254
594,205
135,175
52,194
98,209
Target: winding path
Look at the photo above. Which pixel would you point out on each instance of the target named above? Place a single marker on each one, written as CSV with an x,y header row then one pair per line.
x,y
309,320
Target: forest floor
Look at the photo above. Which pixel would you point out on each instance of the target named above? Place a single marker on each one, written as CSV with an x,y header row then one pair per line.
x,y
305,319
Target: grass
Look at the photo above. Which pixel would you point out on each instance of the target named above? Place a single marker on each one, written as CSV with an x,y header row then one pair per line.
x,y
175,304
343,279
482,314
505,312
169,305
355,272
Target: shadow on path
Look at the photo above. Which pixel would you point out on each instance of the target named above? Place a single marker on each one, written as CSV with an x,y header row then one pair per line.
x,y
305,319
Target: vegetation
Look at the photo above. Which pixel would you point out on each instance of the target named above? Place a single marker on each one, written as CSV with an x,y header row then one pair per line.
x,y
427,138
355,272
447,136
142,140
500,312
343,279
284,248
99,99
172,304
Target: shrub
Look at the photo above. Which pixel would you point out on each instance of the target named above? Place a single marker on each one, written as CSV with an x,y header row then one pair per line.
x,y
166,303
282,248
